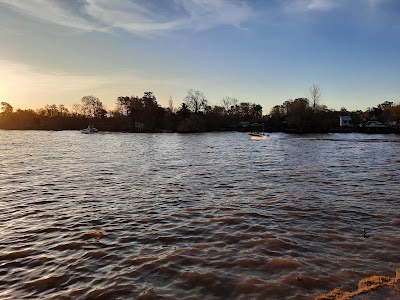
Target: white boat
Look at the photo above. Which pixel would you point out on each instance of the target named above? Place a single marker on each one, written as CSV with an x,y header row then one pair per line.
x,y
89,129
257,136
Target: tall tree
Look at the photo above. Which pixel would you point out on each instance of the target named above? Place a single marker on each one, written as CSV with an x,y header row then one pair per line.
x,y
315,95
124,105
183,112
92,107
257,109
171,104
298,116
196,101
151,112
228,102
63,111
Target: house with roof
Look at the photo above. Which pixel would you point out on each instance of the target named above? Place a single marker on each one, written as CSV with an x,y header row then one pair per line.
x,y
345,121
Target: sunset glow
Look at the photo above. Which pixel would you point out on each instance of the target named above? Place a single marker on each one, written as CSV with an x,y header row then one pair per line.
x,y
263,52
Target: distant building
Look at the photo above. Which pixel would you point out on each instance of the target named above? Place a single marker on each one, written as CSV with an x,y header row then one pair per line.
x,y
345,121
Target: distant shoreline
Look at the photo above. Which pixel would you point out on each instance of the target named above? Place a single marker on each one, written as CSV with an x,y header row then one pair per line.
x,y
288,131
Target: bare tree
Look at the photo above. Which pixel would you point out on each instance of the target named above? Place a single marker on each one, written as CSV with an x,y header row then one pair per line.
x,y
196,101
51,110
77,109
171,104
315,95
228,102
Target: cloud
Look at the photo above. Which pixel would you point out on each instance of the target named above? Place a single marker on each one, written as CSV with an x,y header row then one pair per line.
x,y
322,5
204,14
55,12
137,16
302,6
375,3
305,6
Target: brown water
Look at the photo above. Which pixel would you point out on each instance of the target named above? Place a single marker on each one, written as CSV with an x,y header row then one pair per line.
x,y
205,216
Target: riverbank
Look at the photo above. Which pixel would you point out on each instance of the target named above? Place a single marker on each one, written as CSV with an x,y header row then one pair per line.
x,y
367,130
374,287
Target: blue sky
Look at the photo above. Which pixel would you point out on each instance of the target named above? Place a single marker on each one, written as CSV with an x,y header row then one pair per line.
x,y
261,51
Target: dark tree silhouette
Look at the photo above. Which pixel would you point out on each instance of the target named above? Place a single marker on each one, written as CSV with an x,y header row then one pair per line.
x,y
196,101
6,109
228,103
144,114
92,107
183,112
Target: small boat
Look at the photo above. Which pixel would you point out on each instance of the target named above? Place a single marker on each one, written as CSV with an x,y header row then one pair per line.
x,y
89,129
257,136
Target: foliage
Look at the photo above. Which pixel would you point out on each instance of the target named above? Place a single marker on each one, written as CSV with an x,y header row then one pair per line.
x,y
6,109
143,110
228,103
92,107
144,114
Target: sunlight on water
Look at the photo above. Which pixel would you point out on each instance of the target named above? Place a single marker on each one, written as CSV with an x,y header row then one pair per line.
x,y
258,137
195,216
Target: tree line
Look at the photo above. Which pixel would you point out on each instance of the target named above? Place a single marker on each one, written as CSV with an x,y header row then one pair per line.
x,y
195,114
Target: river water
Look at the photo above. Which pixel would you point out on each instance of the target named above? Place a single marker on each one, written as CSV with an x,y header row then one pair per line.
x,y
196,216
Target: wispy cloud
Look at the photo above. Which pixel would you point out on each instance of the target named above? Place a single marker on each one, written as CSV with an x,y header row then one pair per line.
x,y
322,4
375,3
304,6
296,6
56,12
146,17
136,16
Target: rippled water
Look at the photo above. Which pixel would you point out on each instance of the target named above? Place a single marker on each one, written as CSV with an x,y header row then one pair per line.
x,y
203,216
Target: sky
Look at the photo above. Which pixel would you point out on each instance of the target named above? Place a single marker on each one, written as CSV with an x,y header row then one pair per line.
x,y
259,51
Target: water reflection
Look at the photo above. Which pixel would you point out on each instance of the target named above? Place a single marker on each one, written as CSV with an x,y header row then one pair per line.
x,y
208,215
